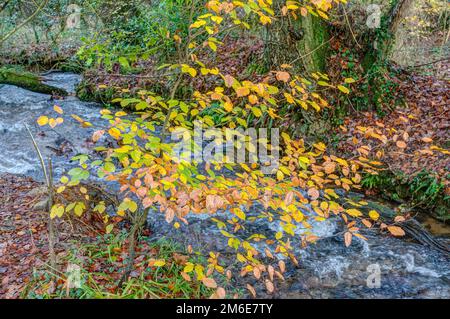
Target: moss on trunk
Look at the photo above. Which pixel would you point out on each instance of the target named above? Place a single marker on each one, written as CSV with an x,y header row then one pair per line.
x,y
301,42
27,81
314,45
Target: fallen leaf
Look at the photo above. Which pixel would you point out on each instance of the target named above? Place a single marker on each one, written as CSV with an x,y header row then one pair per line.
x,y
396,231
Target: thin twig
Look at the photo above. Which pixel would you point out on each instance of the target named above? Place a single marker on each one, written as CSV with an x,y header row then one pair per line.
x,y
43,4
41,159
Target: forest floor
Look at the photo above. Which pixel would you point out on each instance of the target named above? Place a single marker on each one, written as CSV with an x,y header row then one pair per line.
x,y
421,123
24,251
411,141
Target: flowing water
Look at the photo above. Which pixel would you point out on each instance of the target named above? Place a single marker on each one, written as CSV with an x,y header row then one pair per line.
x,y
382,267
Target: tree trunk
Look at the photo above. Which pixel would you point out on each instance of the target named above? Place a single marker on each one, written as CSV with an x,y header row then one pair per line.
x,y
301,42
27,81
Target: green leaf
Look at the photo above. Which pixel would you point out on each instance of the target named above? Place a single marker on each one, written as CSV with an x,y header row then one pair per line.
x,y
109,228
109,167
349,80
79,208
124,62
57,211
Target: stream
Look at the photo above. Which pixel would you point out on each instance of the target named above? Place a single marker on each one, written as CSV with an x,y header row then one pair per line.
x,y
382,267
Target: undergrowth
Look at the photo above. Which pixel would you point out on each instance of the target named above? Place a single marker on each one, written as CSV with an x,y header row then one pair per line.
x,y
101,263
423,191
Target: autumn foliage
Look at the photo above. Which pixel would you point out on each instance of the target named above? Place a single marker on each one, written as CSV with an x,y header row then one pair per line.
x,y
301,190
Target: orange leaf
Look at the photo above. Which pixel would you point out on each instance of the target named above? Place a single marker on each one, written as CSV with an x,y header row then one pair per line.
x,y
256,272
396,231
242,91
52,123
269,286
220,293
271,271
303,11
282,76
229,80
366,223
209,282
401,144
185,276
348,238
313,193
268,253
282,266
252,290
97,134
399,219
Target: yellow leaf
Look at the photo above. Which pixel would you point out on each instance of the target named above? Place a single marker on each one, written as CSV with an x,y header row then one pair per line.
x,y
189,267
353,212
42,120
252,99
79,208
343,89
374,215
280,175
109,228
192,72
322,14
228,106
212,45
159,263
57,109
156,262
257,112
198,24
264,19
57,211
114,132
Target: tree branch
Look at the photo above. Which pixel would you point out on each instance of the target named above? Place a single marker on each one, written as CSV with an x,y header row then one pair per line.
x,y
31,17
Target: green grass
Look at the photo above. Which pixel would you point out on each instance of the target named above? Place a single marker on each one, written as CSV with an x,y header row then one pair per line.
x,y
102,263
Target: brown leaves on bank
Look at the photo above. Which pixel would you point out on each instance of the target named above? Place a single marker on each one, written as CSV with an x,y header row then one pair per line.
x,y
412,137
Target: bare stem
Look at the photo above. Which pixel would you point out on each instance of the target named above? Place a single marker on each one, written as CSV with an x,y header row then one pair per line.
x,y
49,182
